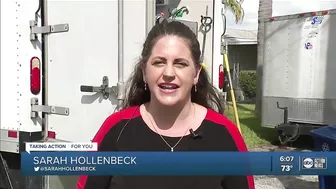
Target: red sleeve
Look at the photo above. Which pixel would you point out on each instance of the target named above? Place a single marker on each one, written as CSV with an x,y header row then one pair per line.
x,y
240,143
100,135
240,146
238,138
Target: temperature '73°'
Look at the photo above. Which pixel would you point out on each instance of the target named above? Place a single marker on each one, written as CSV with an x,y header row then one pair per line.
x,y
286,168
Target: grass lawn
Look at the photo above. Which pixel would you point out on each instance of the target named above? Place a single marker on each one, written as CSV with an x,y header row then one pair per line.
x,y
253,133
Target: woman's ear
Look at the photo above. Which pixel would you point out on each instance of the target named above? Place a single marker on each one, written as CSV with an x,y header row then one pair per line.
x,y
143,73
197,75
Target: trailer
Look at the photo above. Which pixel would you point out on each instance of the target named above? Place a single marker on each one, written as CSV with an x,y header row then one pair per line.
x,y
63,68
299,69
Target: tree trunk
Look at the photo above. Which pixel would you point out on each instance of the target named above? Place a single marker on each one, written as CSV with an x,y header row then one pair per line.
x,y
265,11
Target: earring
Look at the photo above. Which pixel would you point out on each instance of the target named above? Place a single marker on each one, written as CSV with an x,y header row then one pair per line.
x,y
145,86
195,88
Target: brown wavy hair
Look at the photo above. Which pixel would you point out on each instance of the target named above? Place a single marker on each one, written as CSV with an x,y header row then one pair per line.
x,y
206,95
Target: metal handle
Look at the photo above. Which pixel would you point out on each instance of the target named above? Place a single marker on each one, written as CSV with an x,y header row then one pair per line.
x,y
279,107
85,88
92,89
104,89
285,109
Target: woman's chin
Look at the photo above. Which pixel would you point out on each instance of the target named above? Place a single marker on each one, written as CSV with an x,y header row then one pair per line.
x,y
168,101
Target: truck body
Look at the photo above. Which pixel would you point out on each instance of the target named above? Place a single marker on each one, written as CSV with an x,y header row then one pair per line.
x,y
299,93
63,65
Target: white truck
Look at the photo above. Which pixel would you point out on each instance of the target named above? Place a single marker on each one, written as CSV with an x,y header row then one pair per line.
x,y
299,91
63,66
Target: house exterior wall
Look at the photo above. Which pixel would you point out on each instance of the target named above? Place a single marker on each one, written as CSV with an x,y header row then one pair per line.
x,y
245,55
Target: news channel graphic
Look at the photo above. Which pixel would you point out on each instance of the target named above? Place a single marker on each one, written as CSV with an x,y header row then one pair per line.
x,y
145,163
60,146
305,163
73,159
311,163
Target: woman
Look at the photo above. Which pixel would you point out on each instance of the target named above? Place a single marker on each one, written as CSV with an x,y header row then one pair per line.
x,y
169,107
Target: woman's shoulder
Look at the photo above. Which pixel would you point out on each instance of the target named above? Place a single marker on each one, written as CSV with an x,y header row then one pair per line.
x,y
123,114
113,120
212,116
221,121
218,118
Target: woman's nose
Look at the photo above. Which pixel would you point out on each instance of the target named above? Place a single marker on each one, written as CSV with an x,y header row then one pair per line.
x,y
169,70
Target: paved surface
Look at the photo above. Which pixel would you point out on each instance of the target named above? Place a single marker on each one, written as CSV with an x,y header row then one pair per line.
x,y
284,182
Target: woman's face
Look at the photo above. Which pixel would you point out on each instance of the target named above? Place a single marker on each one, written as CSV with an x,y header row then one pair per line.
x,y
170,71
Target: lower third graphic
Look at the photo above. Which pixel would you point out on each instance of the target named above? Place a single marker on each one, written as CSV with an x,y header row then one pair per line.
x,y
314,163
63,168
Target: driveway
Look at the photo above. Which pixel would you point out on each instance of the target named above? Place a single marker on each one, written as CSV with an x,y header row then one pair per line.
x,y
284,182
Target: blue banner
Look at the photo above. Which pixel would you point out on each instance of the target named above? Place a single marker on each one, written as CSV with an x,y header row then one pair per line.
x,y
178,163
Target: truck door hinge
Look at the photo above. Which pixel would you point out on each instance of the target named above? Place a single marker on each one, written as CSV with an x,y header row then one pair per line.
x,y
34,29
35,108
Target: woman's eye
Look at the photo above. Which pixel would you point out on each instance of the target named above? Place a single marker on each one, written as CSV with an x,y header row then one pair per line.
x,y
157,63
182,64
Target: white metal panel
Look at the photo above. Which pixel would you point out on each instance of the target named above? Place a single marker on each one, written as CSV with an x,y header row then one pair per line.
x,y
135,32
9,66
309,59
292,35
287,63
300,59
291,70
325,67
16,52
275,67
83,55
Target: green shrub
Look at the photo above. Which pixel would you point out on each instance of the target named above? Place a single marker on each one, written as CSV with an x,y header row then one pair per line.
x,y
248,83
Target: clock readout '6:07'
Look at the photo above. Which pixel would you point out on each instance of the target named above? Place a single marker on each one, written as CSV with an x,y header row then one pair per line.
x,y
286,158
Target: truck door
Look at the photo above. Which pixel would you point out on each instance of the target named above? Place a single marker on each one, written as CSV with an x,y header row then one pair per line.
x,y
86,56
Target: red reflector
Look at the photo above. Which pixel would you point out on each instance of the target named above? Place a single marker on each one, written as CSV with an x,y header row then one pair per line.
x,y
51,134
324,12
221,77
313,13
12,134
35,75
272,19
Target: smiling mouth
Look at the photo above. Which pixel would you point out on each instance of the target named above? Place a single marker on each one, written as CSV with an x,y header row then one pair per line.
x,y
168,87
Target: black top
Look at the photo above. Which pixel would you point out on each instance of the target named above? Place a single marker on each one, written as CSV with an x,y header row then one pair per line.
x,y
127,131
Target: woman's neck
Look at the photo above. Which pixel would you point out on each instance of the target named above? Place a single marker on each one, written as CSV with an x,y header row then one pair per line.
x,y
167,117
